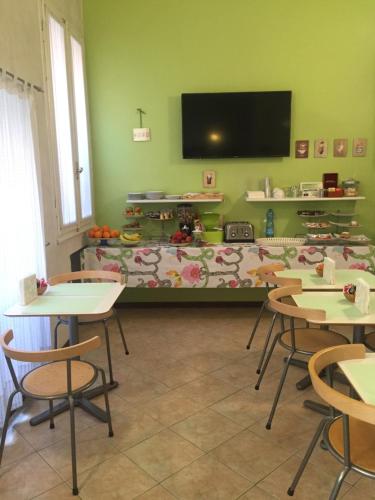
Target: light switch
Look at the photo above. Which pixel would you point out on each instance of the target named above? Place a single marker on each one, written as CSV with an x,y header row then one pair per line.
x,y
141,134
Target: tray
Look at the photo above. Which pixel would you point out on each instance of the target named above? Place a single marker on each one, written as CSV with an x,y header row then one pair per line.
x,y
311,213
342,214
316,225
358,239
280,242
345,224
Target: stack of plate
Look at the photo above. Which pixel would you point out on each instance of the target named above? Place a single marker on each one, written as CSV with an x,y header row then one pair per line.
x,y
136,196
154,195
173,196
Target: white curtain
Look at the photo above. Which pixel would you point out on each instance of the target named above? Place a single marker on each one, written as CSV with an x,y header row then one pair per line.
x,y
21,241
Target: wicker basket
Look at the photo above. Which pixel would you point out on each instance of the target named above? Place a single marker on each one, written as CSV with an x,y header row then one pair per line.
x,y
281,242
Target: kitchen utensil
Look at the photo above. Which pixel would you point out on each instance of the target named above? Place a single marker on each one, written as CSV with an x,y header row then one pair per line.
x,y
238,232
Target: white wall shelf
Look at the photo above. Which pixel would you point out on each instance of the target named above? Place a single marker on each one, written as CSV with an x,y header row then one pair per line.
x,y
182,200
277,200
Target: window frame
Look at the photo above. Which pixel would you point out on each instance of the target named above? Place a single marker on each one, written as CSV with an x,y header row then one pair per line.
x,y
66,231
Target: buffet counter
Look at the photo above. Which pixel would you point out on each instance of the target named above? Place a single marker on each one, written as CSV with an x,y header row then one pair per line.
x,y
218,266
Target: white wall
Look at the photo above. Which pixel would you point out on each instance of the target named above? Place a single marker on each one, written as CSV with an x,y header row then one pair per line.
x,y
21,53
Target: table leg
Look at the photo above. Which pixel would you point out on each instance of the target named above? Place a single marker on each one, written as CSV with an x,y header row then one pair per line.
x,y
358,334
318,407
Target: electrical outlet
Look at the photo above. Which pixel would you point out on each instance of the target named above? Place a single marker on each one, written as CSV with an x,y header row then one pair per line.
x,y
141,134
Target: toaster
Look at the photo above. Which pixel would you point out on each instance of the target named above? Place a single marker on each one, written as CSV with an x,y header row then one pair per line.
x,y
240,232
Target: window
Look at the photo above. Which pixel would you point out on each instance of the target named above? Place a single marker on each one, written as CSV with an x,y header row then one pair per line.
x,y
65,65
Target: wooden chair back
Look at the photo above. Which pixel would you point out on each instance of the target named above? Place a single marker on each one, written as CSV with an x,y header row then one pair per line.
x,y
343,403
87,275
46,356
271,279
276,294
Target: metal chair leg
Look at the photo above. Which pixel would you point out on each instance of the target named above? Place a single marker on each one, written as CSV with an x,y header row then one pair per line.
x,y
266,342
105,392
279,389
338,483
73,446
307,456
51,421
55,334
6,423
252,335
265,364
111,380
121,330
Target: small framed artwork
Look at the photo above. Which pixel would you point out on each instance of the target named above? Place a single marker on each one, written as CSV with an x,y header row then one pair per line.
x,y
302,149
340,147
359,147
321,148
209,179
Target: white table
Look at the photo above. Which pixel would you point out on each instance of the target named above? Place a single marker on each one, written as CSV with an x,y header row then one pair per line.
x,y
311,281
72,300
361,374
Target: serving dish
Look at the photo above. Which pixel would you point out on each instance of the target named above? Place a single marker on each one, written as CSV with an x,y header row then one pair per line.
x,y
312,213
316,225
179,244
136,196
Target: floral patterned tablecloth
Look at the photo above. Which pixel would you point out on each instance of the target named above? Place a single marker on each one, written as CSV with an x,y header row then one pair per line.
x,y
219,266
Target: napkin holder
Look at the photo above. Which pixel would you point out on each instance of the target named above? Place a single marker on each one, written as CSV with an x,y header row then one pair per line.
x,y
362,296
27,289
329,270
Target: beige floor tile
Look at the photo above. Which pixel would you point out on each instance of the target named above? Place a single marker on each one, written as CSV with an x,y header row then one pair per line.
x,y
116,403
27,478
163,454
156,493
175,373
257,493
136,387
117,477
207,429
206,390
16,447
250,455
131,427
363,489
207,479
288,430
61,492
205,362
171,408
315,482
92,448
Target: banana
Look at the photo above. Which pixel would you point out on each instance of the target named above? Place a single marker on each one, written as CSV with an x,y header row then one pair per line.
x,y
130,237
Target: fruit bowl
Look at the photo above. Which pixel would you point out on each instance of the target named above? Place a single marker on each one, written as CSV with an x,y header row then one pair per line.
x,y
319,268
185,244
130,243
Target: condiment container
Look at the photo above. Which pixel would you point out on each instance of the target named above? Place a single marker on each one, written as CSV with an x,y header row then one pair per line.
x,y
350,187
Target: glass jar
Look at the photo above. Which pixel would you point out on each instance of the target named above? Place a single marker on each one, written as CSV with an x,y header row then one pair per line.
x,y
350,187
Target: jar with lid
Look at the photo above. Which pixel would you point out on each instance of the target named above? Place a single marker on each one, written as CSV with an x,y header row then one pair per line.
x,y
350,187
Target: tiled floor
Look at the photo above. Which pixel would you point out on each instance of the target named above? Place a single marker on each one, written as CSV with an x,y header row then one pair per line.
x,y
187,421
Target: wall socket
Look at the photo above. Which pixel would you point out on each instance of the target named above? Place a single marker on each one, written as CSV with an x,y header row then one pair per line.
x,y
141,134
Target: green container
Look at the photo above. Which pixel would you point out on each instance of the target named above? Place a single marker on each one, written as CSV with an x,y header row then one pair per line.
x,y
213,236
210,220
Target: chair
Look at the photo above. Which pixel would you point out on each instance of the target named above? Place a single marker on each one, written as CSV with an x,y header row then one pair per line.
x,y
98,318
265,271
62,377
350,436
369,341
305,341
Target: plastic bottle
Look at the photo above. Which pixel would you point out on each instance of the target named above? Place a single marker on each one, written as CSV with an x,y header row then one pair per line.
x,y
269,232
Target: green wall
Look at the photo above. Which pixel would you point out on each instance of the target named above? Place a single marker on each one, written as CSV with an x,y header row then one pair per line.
x,y
145,54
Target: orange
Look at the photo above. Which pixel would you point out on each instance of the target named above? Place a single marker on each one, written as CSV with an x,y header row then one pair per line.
x,y
91,233
106,228
106,234
97,234
96,228
115,233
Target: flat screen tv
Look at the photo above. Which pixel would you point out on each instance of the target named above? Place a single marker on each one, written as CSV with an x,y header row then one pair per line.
x,y
236,124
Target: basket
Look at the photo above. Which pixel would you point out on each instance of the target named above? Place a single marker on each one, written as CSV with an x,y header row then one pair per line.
x,y
350,297
281,242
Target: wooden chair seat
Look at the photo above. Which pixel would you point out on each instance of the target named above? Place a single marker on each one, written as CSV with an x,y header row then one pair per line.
x,y
312,340
362,442
89,318
51,379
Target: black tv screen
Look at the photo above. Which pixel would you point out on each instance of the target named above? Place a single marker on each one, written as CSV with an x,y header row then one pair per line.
x,y
236,124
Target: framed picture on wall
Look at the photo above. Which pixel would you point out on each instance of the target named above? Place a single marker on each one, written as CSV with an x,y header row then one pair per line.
x,y
340,147
209,179
302,149
321,148
359,147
